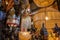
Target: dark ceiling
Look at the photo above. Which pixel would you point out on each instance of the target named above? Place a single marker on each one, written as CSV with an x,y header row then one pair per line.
x,y
58,3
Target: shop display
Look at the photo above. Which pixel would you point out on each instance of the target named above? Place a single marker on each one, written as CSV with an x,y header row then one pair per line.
x,y
13,22
19,22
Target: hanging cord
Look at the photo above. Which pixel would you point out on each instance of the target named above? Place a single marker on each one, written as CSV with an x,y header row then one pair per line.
x,y
45,11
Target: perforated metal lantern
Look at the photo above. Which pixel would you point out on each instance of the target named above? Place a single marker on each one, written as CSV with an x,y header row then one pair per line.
x,y
43,3
40,17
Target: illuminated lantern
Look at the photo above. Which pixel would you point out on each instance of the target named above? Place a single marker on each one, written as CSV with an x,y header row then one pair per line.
x,y
43,3
13,20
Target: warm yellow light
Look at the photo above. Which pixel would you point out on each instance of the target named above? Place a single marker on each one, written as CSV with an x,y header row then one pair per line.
x,y
6,3
11,25
46,18
14,21
24,33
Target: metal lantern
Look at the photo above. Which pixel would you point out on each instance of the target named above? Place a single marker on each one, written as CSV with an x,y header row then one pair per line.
x,y
43,3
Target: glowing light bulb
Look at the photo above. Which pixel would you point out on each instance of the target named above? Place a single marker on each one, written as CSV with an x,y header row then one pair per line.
x,y
28,9
11,25
46,18
14,21
24,33
6,3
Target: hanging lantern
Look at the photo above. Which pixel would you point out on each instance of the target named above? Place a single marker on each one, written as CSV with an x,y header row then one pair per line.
x,y
13,20
43,3
51,17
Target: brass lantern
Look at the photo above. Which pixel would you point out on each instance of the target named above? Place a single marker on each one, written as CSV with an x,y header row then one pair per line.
x,y
49,16
43,3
